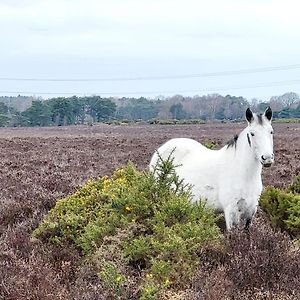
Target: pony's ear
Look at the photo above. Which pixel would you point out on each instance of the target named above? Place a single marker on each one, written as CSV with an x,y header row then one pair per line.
x,y
268,113
249,115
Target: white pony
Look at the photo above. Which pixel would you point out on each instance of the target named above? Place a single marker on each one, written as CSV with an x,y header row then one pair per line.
x,y
230,178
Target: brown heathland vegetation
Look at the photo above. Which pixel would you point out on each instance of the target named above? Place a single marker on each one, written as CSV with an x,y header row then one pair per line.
x,y
38,166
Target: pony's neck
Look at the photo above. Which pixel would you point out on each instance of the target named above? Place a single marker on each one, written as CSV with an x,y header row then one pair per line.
x,y
244,160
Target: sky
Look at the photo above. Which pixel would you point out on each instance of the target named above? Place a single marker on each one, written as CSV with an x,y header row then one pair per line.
x,y
149,48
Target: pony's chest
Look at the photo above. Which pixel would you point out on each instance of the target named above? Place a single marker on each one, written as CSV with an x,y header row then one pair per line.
x,y
249,191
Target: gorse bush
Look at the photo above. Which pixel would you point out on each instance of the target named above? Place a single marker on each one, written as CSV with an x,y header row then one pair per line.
x,y
211,144
283,207
134,222
176,121
295,185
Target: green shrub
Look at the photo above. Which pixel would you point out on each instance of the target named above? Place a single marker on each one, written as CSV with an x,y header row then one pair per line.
x,y
295,185
286,120
150,290
211,144
112,277
283,207
135,220
177,122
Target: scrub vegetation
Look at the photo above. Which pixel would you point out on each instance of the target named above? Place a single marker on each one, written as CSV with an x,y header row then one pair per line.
x,y
283,207
134,222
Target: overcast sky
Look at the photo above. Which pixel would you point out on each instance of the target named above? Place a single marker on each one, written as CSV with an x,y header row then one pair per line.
x,y
130,39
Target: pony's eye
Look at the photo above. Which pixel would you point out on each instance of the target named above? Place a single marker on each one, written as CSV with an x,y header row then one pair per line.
x,y
271,132
252,133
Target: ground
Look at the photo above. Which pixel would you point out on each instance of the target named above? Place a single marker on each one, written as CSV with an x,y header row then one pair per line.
x,y
40,165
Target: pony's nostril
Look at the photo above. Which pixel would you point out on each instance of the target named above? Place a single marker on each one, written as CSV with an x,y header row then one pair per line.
x,y
262,157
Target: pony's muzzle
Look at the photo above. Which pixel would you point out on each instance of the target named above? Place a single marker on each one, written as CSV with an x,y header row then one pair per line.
x,y
267,160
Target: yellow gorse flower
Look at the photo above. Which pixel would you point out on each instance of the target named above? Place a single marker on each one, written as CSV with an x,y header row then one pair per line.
x,y
106,184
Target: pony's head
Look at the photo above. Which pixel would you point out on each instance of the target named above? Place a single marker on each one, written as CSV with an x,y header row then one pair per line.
x,y
260,136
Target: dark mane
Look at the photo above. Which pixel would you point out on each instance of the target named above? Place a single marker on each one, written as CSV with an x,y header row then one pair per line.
x,y
260,119
232,142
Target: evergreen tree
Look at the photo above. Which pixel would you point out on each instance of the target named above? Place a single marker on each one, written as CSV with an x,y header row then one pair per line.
x,y
100,108
38,114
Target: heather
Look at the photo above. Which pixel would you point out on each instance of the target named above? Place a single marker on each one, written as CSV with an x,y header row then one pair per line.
x,y
41,166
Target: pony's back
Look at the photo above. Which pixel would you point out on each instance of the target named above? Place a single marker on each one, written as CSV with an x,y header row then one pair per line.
x,y
193,163
181,149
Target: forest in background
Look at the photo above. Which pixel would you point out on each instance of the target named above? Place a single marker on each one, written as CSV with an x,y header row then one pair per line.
x,y
31,111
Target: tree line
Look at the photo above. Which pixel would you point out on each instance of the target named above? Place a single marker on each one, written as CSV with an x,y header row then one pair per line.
x,y
60,111
79,110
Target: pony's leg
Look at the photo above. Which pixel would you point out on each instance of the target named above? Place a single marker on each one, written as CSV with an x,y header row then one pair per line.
x,y
231,217
247,216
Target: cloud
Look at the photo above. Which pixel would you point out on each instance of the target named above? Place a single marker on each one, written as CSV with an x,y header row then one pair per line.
x,y
134,27
146,37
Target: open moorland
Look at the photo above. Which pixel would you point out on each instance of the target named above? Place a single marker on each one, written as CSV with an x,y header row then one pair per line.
x,y
38,166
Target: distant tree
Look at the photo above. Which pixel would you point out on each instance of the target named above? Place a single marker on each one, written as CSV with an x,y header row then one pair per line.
x,y
262,106
235,107
141,108
288,113
20,103
163,111
101,108
276,104
220,113
177,111
79,108
4,120
38,114
3,108
288,99
61,111
18,119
